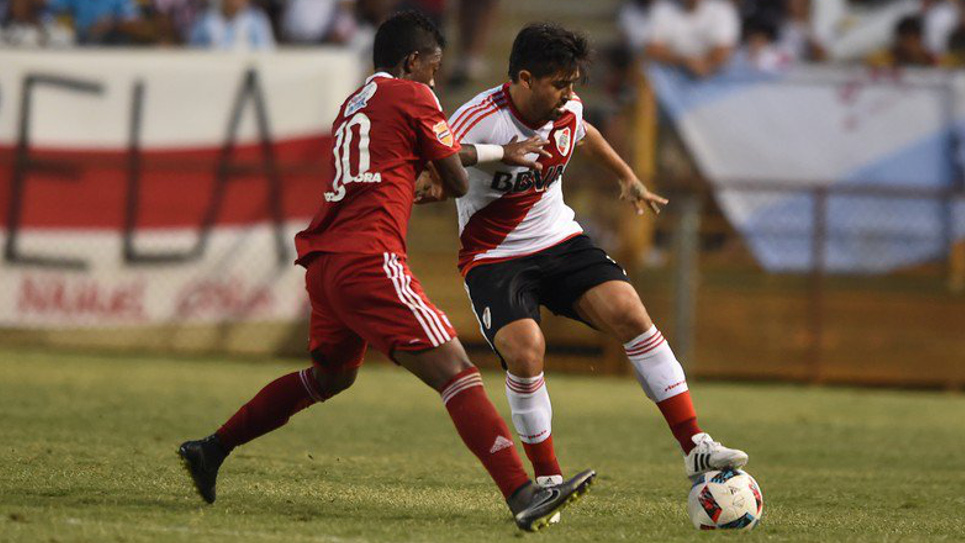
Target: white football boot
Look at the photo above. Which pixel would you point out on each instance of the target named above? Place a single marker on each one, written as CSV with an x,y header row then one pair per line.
x,y
551,480
711,455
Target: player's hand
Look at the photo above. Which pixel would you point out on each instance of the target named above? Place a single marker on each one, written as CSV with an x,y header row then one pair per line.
x,y
515,152
634,191
428,187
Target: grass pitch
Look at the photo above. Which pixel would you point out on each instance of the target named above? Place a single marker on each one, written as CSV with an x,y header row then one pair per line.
x,y
87,454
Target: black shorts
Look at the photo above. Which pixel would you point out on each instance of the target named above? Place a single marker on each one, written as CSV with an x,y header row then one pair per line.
x,y
511,290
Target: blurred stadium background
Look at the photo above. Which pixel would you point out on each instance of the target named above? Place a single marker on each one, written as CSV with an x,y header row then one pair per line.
x,y
816,231
153,173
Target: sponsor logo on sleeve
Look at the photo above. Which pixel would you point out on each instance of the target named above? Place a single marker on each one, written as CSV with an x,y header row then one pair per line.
x,y
443,134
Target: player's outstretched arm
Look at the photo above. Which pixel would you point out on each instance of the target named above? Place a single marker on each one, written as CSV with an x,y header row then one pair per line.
x,y
514,153
631,188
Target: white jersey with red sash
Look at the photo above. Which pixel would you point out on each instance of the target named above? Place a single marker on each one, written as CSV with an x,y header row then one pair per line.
x,y
510,211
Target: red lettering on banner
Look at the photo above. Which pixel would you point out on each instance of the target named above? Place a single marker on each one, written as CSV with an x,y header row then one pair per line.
x,y
223,298
859,111
58,295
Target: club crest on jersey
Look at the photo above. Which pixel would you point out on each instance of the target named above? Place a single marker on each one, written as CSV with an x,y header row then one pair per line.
x,y
563,140
443,134
360,100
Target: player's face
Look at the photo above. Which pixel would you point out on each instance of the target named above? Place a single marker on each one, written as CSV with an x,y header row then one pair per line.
x,y
424,66
550,93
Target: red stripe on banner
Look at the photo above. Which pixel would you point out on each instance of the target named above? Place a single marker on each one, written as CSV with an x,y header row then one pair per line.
x,y
67,188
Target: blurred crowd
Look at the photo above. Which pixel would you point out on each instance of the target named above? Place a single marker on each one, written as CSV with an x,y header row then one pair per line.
x,y
700,36
235,24
703,36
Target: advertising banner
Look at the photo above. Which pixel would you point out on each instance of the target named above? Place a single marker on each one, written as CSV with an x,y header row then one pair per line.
x,y
161,187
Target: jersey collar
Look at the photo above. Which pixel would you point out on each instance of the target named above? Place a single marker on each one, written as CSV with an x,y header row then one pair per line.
x,y
516,113
379,74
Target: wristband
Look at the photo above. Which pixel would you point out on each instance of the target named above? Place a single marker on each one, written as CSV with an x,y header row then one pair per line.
x,y
488,153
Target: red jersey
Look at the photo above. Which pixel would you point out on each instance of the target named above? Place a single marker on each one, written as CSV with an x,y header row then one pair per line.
x,y
384,134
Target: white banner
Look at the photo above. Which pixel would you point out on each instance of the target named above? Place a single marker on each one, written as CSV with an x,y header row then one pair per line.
x,y
859,162
161,187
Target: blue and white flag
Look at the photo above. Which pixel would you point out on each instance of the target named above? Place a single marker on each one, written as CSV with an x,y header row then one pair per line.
x,y
885,145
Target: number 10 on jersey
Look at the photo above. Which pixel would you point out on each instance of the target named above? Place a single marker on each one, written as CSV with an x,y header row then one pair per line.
x,y
342,150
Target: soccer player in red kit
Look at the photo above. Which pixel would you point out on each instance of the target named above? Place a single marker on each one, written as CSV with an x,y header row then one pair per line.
x,y
360,286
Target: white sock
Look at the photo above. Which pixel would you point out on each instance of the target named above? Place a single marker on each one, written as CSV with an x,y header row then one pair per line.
x,y
530,404
656,367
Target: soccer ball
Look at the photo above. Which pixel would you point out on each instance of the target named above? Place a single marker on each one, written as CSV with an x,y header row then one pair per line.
x,y
725,500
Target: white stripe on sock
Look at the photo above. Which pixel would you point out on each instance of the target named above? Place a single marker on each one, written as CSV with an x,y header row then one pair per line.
x,y
469,381
304,375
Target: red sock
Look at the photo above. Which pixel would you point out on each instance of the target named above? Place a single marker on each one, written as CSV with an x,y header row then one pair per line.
x,y
271,408
543,457
483,431
680,415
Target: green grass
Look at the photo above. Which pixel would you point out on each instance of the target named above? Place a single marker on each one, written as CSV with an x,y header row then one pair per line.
x,y
87,453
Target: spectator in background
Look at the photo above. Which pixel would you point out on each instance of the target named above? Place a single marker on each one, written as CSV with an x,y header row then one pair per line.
x,y
235,24
633,19
474,22
908,48
797,35
939,19
27,24
955,54
175,18
104,22
435,10
318,21
760,49
697,35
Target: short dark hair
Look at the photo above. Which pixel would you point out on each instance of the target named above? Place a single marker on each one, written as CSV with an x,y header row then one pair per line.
x,y
545,48
402,34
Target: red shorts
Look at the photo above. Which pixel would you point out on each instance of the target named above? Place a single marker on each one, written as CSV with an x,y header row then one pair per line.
x,y
359,299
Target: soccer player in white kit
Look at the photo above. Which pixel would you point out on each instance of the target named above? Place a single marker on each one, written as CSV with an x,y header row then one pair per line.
x,y
521,248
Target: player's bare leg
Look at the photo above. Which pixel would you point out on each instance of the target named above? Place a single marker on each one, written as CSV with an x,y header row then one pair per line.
x,y
522,346
614,307
268,410
447,369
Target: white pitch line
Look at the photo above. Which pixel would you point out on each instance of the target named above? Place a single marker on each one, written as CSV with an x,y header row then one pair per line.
x,y
126,526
